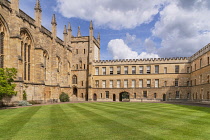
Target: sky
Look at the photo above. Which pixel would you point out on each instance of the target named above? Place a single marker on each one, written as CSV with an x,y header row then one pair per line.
x,y
133,29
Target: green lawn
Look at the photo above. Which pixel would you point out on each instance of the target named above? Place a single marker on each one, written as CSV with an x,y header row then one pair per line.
x,y
106,121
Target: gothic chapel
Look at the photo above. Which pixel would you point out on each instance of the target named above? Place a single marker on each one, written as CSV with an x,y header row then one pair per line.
x,y
48,66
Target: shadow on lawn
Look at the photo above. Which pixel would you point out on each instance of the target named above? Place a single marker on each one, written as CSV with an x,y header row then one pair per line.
x,y
111,126
193,106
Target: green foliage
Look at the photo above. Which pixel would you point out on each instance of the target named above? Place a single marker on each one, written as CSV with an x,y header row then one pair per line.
x,y
24,95
34,102
24,103
64,97
7,76
125,95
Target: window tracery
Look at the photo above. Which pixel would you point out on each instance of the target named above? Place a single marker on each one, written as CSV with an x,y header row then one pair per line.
x,y
26,43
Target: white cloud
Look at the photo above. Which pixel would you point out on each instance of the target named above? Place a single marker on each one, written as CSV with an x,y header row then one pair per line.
x,y
120,50
184,28
112,13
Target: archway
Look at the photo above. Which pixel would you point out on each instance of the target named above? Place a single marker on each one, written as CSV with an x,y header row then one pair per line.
x,y
94,97
124,97
86,97
114,97
164,97
75,91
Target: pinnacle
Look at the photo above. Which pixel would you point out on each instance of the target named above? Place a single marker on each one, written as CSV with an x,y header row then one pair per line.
x,y
91,25
38,5
65,30
54,20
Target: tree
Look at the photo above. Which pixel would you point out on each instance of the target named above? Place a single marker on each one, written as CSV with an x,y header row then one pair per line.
x,y
7,87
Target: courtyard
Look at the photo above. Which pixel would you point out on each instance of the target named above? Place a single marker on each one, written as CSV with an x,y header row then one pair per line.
x,y
111,120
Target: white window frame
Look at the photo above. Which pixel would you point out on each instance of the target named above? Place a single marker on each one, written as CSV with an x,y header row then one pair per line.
x,y
156,83
97,71
118,83
125,83
104,71
104,84
133,83
111,84
141,83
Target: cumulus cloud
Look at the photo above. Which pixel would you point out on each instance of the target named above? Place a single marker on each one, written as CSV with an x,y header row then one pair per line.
x,y
112,13
184,27
120,50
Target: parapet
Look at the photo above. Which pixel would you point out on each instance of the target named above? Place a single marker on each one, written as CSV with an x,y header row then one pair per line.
x,y
200,52
145,60
45,31
27,18
60,41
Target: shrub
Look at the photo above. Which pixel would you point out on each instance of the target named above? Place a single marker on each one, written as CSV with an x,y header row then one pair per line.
x,y
24,103
64,97
34,102
24,95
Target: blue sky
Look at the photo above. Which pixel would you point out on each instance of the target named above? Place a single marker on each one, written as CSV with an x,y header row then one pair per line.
x,y
133,29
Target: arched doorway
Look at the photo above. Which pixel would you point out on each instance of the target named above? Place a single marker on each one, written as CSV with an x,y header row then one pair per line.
x,y
114,97
164,97
75,91
124,97
94,97
86,97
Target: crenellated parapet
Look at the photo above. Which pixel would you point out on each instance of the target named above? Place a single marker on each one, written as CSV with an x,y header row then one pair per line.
x,y
200,52
145,60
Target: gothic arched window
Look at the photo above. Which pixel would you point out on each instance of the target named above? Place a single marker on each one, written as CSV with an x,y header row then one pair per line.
x,y
58,61
74,79
2,44
1,50
26,43
46,58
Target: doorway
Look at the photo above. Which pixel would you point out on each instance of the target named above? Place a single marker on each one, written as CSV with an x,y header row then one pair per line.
x,y
86,97
75,91
164,97
124,97
94,97
114,97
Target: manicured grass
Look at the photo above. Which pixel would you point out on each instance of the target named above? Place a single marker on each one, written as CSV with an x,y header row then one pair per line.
x,y
112,121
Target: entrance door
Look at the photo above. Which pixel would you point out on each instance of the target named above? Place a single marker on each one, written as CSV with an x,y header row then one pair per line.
x,y
75,91
94,97
124,97
164,97
86,97
114,97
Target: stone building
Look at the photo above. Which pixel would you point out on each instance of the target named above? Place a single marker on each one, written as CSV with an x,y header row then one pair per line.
x,y
48,66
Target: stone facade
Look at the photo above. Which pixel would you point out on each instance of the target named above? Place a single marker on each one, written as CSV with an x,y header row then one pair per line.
x,y
48,66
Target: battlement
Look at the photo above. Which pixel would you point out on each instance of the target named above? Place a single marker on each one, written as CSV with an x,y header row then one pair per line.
x,y
145,60
200,52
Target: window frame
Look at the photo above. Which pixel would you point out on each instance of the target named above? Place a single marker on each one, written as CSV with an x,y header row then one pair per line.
x,y
148,69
